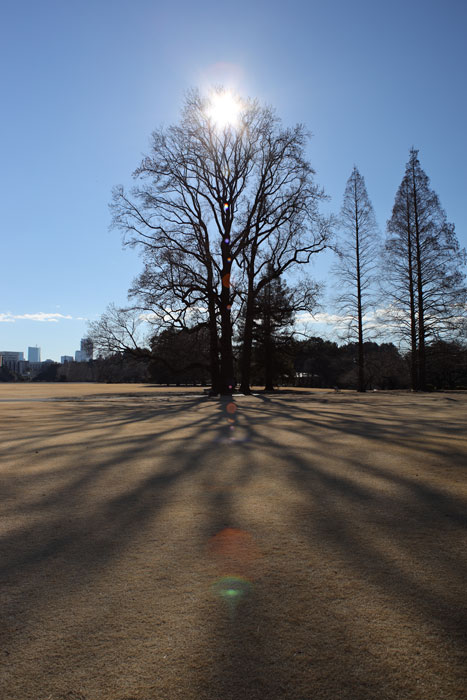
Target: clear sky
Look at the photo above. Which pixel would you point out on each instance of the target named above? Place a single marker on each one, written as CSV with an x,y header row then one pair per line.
x,y
84,83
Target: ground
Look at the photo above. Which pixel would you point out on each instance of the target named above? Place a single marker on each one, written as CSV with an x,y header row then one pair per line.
x,y
159,544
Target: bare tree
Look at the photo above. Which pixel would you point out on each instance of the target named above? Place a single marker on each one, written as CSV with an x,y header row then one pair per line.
x,y
130,333
274,253
424,277
118,330
356,268
178,294
208,198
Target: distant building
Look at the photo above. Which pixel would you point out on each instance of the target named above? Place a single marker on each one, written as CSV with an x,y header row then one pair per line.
x,y
66,358
34,354
85,354
13,360
10,356
87,348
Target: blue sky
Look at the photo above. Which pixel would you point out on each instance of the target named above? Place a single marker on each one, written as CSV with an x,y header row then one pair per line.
x,y
84,84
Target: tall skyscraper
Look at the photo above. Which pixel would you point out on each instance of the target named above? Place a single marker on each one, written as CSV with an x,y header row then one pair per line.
x,y
34,354
87,348
85,354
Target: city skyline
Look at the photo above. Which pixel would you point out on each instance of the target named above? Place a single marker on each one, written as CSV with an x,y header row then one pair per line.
x,y
97,89
34,354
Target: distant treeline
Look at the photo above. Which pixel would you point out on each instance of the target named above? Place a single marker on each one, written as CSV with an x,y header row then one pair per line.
x,y
306,363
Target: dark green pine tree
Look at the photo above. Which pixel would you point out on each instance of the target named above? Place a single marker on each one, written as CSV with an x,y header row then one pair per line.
x,y
273,319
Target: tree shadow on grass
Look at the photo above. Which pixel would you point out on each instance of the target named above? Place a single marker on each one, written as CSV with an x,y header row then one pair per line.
x,y
290,637
399,538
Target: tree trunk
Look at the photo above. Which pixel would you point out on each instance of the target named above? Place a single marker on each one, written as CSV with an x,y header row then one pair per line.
x,y
227,368
361,359
213,346
246,350
421,319
248,337
269,369
413,323
268,346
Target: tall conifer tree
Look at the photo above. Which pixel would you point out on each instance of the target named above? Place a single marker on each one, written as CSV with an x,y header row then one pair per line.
x,y
357,252
273,320
424,280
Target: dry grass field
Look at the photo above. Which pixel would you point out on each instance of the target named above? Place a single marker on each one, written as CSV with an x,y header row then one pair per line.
x,y
158,544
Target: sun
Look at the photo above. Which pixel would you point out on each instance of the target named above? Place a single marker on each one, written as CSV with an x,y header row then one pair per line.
x,y
223,109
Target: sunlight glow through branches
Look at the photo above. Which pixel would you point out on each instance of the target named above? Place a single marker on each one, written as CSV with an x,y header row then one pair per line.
x,y
223,109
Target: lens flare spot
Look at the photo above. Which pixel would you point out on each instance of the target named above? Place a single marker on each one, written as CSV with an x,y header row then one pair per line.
x,y
236,556
231,589
226,206
233,547
231,407
226,280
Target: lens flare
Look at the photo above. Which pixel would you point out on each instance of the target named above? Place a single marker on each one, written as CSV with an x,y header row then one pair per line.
x,y
234,550
231,589
236,555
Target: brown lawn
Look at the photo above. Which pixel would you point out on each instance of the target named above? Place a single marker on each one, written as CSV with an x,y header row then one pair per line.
x,y
157,544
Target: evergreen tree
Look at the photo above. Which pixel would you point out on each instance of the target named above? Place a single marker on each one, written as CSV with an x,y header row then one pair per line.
x,y
273,317
424,279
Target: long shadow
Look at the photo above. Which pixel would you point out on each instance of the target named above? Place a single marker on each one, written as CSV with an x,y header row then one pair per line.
x,y
251,655
99,536
408,518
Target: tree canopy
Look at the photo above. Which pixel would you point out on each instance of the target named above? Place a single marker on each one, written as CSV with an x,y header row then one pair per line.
x,y
216,203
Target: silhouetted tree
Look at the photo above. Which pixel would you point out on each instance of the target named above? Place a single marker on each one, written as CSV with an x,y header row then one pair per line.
x,y
47,373
317,361
180,356
423,275
356,267
119,331
385,367
446,365
272,326
6,375
209,198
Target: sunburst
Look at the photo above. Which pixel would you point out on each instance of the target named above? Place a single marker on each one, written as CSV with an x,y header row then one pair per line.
x,y
224,110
